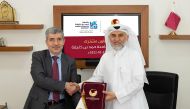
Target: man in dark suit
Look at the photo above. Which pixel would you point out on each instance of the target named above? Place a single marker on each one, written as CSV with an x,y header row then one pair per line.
x,y
46,85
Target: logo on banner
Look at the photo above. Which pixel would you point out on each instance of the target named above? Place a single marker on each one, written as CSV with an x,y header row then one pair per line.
x,y
93,25
86,26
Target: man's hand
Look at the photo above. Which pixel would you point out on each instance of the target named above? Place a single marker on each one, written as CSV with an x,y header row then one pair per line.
x,y
109,95
71,88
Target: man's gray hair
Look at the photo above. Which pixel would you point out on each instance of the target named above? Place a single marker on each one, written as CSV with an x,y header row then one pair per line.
x,y
53,30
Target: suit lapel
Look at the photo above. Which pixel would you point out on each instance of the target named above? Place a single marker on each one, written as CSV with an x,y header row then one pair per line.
x,y
64,67
48,64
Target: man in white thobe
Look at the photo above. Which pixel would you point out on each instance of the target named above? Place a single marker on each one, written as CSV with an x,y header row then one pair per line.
x,y
122,68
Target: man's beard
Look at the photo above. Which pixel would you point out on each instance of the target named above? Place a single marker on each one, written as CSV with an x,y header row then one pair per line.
x,y
117,47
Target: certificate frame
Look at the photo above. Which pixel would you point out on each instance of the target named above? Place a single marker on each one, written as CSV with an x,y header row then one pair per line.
x,y
92,94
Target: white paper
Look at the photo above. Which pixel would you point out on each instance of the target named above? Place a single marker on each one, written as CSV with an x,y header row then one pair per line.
x,y
80,104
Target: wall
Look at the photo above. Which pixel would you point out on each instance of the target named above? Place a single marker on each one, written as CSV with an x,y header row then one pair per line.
x,y
172,56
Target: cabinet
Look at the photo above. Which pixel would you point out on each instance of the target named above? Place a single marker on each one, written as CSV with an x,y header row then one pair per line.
x,y
19,27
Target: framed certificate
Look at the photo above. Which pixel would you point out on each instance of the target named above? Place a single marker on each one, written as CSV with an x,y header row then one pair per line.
x,y
92,93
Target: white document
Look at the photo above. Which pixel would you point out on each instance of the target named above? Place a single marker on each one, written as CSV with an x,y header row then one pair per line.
x,y
80,104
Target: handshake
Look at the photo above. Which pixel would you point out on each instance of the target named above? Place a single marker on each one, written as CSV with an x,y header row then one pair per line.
x,y
71,88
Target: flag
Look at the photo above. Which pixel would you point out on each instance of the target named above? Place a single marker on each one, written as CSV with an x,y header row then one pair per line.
x,y
172,21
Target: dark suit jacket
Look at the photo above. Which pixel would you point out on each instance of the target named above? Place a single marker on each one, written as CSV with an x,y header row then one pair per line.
x,y
41,71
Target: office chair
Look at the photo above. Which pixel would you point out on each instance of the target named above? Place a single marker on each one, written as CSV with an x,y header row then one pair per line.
x,y
161,93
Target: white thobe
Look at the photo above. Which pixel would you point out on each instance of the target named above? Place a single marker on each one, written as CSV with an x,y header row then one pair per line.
x,y
124,73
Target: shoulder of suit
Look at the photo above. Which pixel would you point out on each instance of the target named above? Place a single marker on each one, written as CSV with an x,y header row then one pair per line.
x,y
42,52
67,56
